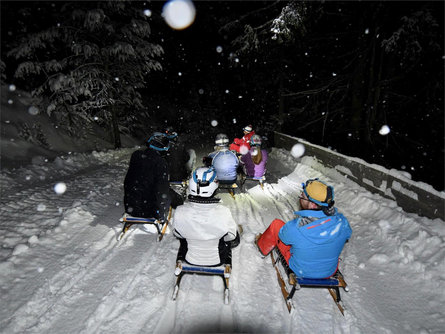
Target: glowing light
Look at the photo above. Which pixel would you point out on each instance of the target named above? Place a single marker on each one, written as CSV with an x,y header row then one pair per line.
x,y
179,14
12,88
214,123
147,12
219,49
297,150
384,130
60,188
244,149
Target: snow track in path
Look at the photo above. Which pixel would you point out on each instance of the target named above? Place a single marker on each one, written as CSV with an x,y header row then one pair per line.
x,y
65,272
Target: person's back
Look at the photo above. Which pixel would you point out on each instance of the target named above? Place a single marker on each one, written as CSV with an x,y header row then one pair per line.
x,y
177,158
226,165
316,246
311,243
205,227
252,169
146,186
255,160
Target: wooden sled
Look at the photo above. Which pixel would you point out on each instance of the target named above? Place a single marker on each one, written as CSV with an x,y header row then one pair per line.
x,y
180,187
261,180
161,228
224,271
290,283
230,187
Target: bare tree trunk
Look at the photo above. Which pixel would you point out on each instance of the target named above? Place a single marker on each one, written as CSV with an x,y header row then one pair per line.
x,y
115,127
281,103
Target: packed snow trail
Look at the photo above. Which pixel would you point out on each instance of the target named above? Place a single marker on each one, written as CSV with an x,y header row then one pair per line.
x,y
63,270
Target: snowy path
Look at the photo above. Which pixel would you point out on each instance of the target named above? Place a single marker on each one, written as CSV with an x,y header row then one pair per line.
x,y
63,271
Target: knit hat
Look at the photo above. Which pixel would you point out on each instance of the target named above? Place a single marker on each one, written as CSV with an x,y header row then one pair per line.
x,y
248,128
318,192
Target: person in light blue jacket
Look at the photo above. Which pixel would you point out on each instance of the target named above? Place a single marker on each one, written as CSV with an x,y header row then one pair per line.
x,y
224,161
312,242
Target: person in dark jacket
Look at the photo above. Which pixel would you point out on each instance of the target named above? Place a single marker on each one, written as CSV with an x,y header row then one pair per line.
x,y
312,242
177,158
146,184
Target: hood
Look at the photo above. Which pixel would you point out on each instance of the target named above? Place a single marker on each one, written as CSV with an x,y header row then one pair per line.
x,y
323,229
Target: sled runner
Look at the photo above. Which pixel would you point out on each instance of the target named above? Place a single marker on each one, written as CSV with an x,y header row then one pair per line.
x,y
223,270
230,187
293,283
161,227
260,180
180,187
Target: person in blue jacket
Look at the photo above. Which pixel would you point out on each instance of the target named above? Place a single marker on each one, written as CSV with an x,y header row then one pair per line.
x,y
225,162
312,242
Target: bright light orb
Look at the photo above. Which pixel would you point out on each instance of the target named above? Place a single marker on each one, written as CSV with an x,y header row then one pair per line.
x,y
384,130
214,123
244,149
297,150
60,188
179,14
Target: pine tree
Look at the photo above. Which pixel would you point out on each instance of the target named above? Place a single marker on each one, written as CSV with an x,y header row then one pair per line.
x,y
87,65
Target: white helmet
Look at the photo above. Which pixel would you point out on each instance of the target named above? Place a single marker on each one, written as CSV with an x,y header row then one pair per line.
x,y
203,182
221,140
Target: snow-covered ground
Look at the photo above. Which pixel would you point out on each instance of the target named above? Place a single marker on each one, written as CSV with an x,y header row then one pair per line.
x,y
62,269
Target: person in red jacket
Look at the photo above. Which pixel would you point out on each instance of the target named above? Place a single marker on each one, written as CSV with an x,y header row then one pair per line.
x,y
242,145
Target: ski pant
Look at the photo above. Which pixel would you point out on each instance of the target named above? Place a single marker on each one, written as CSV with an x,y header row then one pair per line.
x,y
269,240
224,250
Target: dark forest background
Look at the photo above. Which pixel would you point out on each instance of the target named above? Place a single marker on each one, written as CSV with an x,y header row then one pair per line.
x,y
330,72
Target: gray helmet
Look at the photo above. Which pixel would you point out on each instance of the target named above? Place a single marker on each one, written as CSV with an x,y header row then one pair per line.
x,y
222,140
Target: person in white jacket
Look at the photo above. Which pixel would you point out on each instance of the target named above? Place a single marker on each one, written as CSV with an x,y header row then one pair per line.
x,y
205,228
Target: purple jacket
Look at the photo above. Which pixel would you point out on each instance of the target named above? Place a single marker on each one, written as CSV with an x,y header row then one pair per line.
x,y
253,170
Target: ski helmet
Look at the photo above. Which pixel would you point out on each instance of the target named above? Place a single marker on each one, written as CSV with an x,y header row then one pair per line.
x,y
222,140
171,134
203,182
255,140
159,141
248,128
319,193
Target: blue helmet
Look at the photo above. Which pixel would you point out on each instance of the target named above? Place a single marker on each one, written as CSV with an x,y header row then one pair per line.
x,y
159,141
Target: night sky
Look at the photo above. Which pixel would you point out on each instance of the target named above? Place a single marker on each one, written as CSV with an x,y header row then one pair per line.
x,y
345,71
